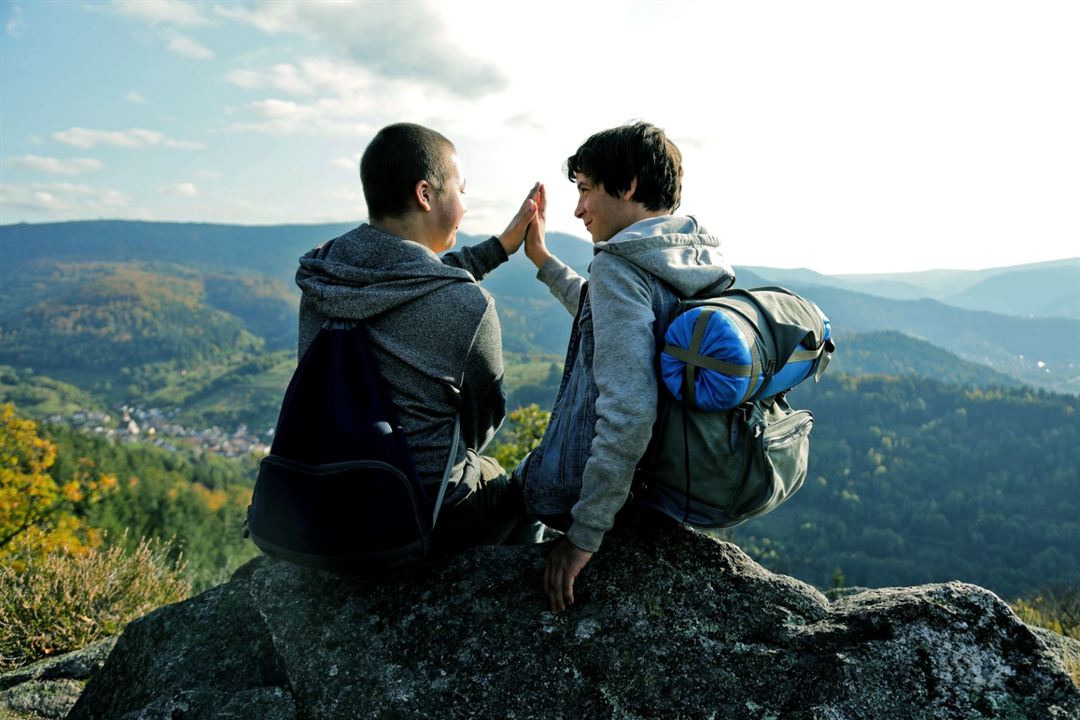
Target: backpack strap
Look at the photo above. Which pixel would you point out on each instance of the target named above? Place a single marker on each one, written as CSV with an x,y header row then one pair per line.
x,y
449,467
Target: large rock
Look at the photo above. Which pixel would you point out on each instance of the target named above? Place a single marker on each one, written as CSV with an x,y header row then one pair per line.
x,y
667,624
49,688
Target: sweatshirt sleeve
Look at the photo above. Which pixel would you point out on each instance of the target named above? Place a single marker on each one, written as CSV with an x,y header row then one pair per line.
x,y
483,404
624,367
563,282
478,260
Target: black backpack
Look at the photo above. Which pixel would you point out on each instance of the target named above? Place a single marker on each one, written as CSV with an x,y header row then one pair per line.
x,y
339,490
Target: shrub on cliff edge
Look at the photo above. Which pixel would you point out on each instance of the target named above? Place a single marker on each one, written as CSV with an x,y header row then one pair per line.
x,y
60,602
1059,611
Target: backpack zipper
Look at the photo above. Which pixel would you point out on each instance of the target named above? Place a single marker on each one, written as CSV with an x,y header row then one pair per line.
x,y
802,420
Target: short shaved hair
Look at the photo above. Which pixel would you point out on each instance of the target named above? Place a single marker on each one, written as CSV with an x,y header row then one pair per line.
x,y
400,156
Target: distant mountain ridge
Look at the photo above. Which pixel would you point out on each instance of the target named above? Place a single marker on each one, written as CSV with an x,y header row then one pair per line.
x,y
271,249
1044,289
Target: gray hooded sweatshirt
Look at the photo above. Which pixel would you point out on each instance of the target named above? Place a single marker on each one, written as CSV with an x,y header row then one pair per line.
x,y
682,254
432,329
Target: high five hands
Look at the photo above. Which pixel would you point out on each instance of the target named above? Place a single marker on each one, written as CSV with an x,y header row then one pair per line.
x,y
514,234
528,227
535,249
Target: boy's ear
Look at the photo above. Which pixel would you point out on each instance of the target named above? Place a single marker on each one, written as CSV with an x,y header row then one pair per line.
x,y
423,191
629,194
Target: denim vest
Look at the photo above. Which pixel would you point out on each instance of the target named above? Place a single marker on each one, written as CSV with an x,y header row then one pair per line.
x,y
551,474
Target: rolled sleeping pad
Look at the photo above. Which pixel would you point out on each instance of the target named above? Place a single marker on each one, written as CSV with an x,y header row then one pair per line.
x,y
729,359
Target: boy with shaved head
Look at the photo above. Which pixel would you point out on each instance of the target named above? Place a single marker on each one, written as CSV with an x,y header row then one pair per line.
x,y
432,328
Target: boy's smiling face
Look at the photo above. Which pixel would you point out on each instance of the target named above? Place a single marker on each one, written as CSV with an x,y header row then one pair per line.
x,y
604,214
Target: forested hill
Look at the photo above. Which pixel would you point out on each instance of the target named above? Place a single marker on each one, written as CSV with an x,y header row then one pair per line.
x,y
912,480
889,352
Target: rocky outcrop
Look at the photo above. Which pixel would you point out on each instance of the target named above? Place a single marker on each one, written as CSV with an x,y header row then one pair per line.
x,y
48,689
668,624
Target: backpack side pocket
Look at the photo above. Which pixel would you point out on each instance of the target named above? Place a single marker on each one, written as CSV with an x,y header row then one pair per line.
x,y
779,455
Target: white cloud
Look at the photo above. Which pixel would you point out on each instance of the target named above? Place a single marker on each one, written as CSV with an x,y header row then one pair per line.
x,y
270,18
15,25
207,174
165,17
182,45
353,100
132,138
395,40
57,166
161,12
135,98
349,162
284,77
328,116
65,199
526,121
184,189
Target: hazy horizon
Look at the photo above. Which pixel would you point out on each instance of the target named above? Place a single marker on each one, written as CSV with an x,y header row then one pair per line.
x,y
584,240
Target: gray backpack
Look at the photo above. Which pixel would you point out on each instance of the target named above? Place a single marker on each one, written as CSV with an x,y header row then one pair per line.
x,y
727,446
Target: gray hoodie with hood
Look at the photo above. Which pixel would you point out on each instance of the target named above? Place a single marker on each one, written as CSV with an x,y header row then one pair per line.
x,y
432,329
624,361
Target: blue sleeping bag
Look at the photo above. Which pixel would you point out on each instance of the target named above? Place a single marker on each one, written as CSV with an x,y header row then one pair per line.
x,y
743,345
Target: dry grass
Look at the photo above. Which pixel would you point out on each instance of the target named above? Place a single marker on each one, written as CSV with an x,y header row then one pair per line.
x,y
60,602
1059,611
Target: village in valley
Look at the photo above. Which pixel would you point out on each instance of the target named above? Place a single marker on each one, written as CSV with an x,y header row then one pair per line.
x,y
158,427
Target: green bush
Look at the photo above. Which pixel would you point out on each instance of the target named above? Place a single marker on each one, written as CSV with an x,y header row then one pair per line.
x,y
519,436
62,602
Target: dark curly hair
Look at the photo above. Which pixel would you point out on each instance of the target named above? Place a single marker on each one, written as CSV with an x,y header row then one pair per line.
x,y
398,157
638,150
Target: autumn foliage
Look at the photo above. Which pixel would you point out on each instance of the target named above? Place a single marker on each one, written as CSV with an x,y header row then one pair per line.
x,y
60,588
38,514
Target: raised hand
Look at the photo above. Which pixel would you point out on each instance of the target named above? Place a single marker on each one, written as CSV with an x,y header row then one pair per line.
x,y
535,247
514,234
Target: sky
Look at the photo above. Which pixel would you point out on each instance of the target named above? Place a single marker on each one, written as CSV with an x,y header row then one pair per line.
x,y
845,137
